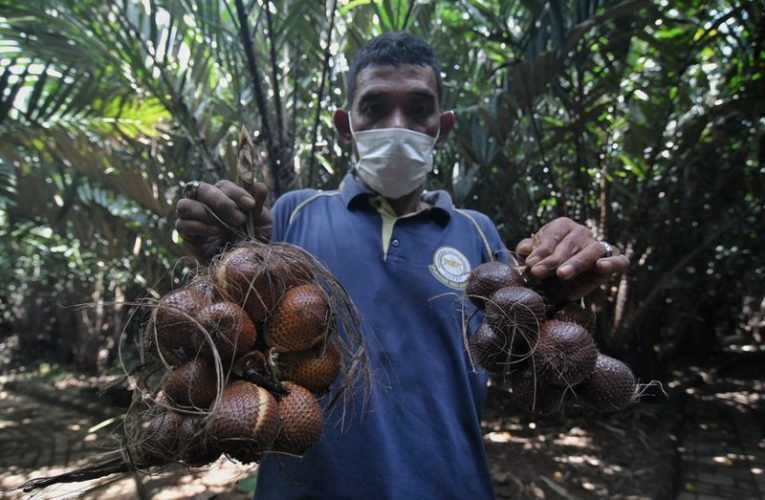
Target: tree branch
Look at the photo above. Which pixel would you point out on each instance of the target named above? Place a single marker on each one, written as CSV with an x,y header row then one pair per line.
x,y
655,293
260,99
274,74
293,118
317,115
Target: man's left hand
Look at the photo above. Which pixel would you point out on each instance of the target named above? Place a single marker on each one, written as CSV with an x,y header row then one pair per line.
x,y
567,250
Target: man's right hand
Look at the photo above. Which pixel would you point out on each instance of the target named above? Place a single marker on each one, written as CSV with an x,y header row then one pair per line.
x,y
217,215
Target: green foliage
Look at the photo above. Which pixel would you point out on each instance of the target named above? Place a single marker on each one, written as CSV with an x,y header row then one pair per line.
x,y
643,119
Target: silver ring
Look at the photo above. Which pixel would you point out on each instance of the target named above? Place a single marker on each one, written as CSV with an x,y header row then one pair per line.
x,y
610,250
190,190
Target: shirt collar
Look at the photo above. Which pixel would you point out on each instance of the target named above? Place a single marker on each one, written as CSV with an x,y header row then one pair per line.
x,y
355,195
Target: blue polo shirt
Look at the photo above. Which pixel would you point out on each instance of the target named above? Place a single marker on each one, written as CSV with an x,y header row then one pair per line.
x,y
421,434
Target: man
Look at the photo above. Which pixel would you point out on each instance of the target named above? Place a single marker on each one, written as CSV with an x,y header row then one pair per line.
x,y
403,255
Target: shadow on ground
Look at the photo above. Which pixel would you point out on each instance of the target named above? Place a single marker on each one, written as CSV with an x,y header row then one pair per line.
x,y
705,440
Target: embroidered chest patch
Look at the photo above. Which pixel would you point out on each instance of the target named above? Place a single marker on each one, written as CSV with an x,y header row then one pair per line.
x,y
450,267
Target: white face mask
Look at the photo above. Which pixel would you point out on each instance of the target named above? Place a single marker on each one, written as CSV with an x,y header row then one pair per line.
x,y
393,161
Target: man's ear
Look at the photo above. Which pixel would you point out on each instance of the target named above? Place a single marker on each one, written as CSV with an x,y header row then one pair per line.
x,y
342,124
447,124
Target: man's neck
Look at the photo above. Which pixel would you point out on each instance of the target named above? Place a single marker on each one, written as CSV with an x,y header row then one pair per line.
x,y
407,204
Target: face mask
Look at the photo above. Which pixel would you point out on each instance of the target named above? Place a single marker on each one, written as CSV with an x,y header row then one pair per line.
x,y
393,161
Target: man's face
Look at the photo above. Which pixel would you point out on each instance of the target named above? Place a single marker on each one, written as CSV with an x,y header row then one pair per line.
x,y
404,96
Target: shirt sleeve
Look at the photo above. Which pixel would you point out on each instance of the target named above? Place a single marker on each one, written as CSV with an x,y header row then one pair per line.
x,y
499,251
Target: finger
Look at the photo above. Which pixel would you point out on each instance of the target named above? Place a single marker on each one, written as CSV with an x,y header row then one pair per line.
x,y
260,192
612,265
191,228
580,261
241,196
602,273
223,206
524,247
188,209
544,242
561,253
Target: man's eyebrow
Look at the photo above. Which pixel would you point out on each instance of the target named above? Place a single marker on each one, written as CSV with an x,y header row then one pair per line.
x,y
372,94
427,94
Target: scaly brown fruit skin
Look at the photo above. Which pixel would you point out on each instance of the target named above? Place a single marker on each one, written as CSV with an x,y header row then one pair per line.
x,y
155,442
194,384
300,319
255,277
515,305
575,314
554,290
196,447
489,277
245,421
205,286
612,385
232,331
533,395
302,422
315,369
516,313
489,350
177,333
565,353
243,276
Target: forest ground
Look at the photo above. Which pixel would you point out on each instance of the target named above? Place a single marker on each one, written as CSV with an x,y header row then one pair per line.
x,y
704,439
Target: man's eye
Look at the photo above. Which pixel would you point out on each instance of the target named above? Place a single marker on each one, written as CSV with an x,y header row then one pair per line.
x,y
371,109
421,111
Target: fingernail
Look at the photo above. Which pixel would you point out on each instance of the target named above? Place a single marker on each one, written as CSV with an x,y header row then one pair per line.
x,y
532,261
539,271
247,202
603,265
565,271
523,246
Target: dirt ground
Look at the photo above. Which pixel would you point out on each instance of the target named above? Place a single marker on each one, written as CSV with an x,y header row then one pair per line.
x,y
686,445
702,439
48,428
580,454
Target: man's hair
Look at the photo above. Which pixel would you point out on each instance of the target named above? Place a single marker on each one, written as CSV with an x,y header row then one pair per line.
x,y
392,48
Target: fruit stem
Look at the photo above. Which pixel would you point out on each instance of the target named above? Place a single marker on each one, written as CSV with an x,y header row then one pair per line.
x,y
270,385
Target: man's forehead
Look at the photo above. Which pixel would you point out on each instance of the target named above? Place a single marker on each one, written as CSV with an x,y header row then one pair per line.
x,y
407,78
